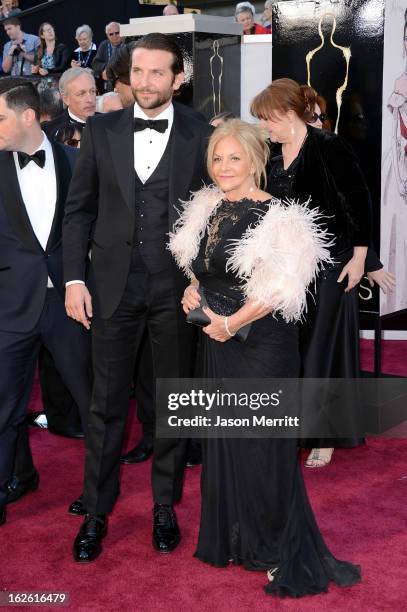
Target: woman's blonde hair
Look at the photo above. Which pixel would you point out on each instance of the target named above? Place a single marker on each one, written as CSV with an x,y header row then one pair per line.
x,y
253,140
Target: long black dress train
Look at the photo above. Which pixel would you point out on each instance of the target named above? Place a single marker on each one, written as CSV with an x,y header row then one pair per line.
x,y
255,510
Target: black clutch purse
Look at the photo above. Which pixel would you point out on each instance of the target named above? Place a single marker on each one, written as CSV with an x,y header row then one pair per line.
x,y
221,305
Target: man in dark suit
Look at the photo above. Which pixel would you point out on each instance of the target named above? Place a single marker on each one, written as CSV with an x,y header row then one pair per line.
x,y
78,92
106,50
35,179
134,167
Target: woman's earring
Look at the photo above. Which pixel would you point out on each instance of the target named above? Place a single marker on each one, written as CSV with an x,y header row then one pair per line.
x,y
252,188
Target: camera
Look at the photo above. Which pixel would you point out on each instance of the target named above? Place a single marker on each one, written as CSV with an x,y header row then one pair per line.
x,y
17,50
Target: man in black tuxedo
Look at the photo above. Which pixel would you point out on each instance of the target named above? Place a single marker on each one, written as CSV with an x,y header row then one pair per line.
x,y
78,92
35,178
134,167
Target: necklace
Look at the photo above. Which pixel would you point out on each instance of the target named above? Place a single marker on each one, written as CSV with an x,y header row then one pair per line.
x,y
84,62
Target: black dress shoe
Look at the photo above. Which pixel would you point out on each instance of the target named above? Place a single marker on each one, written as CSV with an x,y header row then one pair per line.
x,y
140,453
88,542
68,432
194,460
17,489
2,516
77,508
166,534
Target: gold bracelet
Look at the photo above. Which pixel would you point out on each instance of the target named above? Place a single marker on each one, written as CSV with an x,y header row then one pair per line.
x,y
225,320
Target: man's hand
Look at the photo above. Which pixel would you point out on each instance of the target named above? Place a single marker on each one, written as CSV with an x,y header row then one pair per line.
x,y
12,49
42,71
78,304
386,280
191,298
104,75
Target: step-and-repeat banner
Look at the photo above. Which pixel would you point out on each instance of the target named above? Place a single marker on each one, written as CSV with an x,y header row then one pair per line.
x,y
393,241
337,48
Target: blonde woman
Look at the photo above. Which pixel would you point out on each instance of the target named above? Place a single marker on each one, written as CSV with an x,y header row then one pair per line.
x,y
253,258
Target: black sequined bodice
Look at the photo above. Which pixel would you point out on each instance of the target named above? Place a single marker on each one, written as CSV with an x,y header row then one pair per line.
x,y
227,223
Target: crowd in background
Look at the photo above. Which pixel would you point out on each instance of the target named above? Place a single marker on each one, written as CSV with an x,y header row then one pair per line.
x,y
44,58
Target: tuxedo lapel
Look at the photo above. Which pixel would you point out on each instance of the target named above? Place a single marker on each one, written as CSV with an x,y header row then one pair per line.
x,y
182,162
13,203
63,173
121,141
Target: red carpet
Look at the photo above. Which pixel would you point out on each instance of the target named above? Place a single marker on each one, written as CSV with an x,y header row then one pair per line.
x,y
360,503
394,356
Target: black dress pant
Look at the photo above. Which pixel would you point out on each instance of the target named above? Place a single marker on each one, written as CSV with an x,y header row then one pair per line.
x,y
60,407
149,300
144,388
69,345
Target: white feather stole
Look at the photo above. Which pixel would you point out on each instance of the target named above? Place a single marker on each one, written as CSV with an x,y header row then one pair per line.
x,y
191,225
275,260
279,257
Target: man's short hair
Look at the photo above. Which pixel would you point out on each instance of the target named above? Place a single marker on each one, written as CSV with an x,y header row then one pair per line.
x,y
50,102
118,67
70,75
20,94
162,42
111,23
12,21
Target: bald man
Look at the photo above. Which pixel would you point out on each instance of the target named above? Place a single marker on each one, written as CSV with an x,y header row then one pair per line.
x,y
170,9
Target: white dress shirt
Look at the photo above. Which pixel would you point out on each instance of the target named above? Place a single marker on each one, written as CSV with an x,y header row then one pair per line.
x,y
149,145
38,188
75,118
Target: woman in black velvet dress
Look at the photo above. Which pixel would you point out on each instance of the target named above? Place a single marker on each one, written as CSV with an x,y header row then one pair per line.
x,y
310,163
255,510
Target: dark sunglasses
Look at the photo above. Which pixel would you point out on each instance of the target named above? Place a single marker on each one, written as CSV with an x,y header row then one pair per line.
x,y
114,33
321,117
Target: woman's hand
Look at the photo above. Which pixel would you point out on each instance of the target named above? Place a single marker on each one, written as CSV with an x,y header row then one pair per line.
x,y
75,64
191,298
386,280
354,269
216,328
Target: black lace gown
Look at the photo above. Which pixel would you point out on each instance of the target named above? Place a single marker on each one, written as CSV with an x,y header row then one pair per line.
x,y
255,510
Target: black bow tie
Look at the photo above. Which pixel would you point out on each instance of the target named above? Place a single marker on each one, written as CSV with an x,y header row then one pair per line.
x,y
78,124
38,157
160,125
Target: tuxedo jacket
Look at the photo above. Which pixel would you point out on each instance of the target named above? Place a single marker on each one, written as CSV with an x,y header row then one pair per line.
x,y
102,199
24,264
53,126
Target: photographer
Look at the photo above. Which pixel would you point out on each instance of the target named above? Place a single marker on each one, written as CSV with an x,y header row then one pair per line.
x,y
18,54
